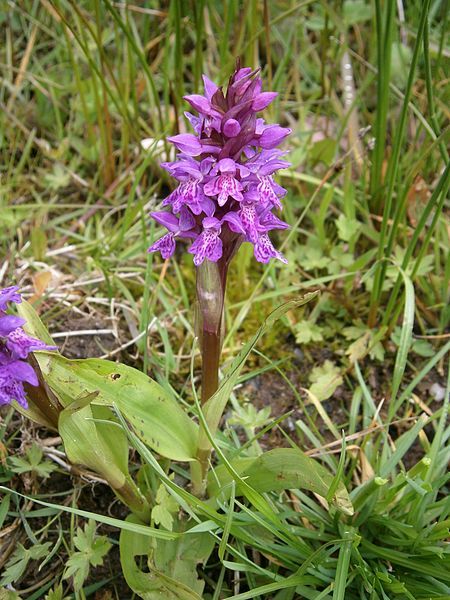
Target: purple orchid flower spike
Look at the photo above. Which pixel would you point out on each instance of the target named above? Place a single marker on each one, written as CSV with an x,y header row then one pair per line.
x,y
15,348
226,167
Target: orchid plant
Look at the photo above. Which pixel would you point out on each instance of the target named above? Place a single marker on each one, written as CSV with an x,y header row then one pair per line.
x,y
226,195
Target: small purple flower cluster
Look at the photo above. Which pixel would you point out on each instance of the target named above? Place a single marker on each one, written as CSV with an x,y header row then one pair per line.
x,y
15,346
226,191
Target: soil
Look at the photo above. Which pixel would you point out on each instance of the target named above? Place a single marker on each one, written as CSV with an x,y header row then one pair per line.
x,y
86,345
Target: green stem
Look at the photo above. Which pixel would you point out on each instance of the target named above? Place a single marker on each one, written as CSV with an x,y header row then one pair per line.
x,y
131,495
211,282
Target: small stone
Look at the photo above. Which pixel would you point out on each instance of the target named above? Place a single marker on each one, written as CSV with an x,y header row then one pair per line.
x,y
437,391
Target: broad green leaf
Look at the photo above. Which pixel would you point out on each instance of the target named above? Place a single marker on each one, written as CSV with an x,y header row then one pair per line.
x,y
281,469
34,326
156,417
172,566
178,559
93,437
154,414
131,545
84,445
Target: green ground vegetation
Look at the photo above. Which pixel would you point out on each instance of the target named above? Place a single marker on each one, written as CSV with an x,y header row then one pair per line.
x,y
358,377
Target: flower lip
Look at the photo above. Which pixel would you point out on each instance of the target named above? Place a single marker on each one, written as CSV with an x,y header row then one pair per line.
x,y
21,345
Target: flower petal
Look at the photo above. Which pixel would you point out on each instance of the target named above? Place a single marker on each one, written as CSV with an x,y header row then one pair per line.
x,y
187,142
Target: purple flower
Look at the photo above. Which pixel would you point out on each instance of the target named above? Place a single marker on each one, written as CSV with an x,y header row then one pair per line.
x,y
231,128
15,346
264,250
187,143
226,184
13,373
181,226
8,323
20,344
262,101
208,244
226,193
9,294
272,136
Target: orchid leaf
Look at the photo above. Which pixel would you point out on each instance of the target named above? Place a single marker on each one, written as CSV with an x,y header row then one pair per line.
x,y
282,469
172,565
34,326
153,413
93,437
85,445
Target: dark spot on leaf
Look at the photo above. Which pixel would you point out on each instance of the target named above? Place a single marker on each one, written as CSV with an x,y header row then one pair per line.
x,y
115,376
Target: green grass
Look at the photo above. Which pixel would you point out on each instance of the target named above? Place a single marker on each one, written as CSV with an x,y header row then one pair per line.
x,y
82,84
